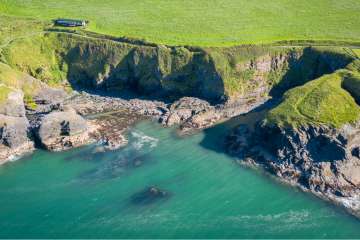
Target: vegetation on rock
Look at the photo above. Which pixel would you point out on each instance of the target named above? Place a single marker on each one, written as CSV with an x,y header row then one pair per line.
x,y
322,101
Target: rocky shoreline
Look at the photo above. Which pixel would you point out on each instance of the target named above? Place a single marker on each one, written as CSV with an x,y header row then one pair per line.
x,y
318,159
62,121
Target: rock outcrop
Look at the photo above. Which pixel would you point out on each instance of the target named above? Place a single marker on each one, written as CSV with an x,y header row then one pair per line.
x,y
61,130
320,159
14,128
192,114
184,109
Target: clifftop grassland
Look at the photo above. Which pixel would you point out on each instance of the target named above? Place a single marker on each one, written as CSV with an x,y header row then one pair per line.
x,y
322,68
204,22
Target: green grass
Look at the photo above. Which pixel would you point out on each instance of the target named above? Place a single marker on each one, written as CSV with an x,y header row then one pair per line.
x,y
14,27
321,101
10,77
357,52
13,79
352,84
35,56
204,22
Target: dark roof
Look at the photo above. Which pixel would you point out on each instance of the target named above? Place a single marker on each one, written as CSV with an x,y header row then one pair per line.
x,y
69,20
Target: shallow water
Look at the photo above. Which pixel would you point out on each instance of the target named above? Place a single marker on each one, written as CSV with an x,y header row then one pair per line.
x,y
81,193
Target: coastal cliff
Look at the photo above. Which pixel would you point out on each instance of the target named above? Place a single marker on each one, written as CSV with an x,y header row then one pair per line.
x,y
64,85
310,139
213,74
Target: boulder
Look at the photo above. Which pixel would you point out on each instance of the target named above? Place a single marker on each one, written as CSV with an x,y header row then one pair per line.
x,y
48,99
61,130
14,131
203,120
15,134
184,109
14,138
196,105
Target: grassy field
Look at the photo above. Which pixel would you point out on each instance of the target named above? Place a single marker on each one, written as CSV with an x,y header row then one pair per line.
x,y
204,22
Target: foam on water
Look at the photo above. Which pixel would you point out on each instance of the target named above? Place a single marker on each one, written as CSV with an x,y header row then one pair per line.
x,y
141,140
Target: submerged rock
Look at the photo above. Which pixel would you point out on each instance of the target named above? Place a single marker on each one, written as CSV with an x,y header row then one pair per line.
x,y
149,195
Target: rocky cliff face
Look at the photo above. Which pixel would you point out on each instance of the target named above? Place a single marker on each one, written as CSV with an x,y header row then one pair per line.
x,y
53,126
213,74
14,127
321,159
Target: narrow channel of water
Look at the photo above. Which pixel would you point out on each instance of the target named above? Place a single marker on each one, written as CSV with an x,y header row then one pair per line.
x,y
83,193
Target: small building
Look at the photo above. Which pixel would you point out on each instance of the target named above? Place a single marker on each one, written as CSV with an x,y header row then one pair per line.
x,y
70,22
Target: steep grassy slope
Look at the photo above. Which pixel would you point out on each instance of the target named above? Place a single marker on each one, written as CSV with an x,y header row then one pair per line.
x,y
322,101
352,84
357,52
13,79
204,22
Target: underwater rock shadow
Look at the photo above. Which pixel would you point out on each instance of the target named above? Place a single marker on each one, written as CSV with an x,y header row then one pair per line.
x,y
114,168
149,195
114,164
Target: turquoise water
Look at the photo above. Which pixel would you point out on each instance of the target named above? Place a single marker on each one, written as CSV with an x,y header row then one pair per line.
x,y
81,194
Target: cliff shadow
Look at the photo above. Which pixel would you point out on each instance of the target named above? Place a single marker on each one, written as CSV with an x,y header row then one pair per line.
x,y
153,73
311,65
